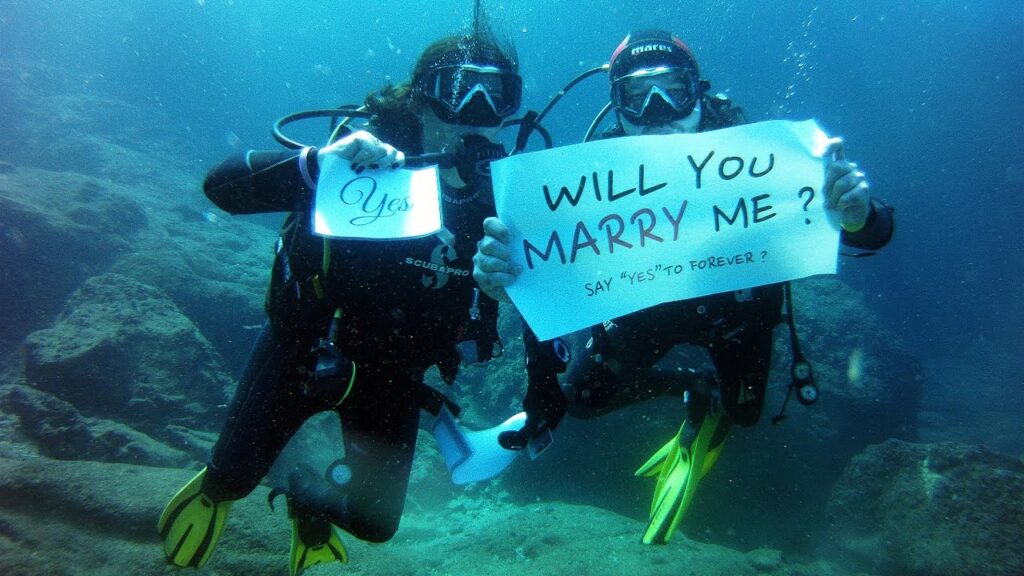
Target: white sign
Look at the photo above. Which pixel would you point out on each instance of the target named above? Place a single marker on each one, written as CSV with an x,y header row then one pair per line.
x,y
376,204
611,227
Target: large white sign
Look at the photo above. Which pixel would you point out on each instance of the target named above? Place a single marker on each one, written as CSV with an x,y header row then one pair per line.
x,y
611,227
375,204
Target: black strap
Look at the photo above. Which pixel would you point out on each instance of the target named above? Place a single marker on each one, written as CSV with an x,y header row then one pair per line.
x,y
801,372
793,339
526,127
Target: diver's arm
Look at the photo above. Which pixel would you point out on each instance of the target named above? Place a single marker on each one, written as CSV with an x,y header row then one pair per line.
x,y
877,230
867,222
545,404
256,182
285,181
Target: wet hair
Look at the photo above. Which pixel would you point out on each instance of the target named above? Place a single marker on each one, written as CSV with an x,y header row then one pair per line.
x,y
395,117
395,109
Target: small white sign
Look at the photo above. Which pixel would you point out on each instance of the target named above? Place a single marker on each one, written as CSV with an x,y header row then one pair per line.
x,y
376,204
607,228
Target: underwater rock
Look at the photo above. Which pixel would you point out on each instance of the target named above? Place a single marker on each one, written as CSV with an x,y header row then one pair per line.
x,y
104,518
765,559
942,509
55,426
122,350
59,431
225,301
56,230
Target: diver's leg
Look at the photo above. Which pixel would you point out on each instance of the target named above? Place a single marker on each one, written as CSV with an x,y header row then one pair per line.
x,y
380,421
263,415
268,407
743,366
680,464
627,374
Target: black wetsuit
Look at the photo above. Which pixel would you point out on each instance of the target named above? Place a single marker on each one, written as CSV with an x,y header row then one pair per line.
x,y
405,305
735,328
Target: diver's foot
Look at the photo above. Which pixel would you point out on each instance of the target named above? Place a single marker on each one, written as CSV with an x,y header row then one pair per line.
x,y
314,541
192,523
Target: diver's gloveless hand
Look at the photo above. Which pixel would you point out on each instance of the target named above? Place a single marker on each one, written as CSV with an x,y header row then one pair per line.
x,y
364,150
846,189
332,378
492,264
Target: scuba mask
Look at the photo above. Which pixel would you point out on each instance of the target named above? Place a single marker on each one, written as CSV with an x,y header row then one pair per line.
x,y
654,96
471,94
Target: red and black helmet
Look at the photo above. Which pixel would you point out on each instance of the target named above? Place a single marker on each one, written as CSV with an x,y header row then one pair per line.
x,y
654,78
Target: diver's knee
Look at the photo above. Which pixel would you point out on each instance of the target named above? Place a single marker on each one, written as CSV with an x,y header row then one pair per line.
x,y
746,415
591,390
375,530
582,411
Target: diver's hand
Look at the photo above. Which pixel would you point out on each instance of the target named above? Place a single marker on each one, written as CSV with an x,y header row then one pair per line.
x,y
545,404
537,426
846,189
492,266
540,420
516,439
544,412
332,378
364,150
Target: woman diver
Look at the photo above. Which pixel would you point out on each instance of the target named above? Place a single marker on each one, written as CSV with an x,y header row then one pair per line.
x,y
354,324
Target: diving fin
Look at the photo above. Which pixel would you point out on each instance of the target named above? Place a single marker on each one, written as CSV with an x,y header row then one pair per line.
x,y
655,463
679,465
314,541
192,523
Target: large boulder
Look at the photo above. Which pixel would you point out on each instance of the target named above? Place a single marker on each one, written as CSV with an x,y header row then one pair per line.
x,y
123,351
56,230
214,268
56,429
80,196
942,509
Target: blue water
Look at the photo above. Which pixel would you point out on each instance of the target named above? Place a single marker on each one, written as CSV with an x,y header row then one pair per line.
x,y
928,96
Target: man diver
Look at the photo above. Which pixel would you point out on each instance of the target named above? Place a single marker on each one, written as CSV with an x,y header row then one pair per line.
x,y
656,88
354,324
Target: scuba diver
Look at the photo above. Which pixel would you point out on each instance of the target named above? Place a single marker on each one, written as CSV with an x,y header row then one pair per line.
x,y
354,324
656,88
